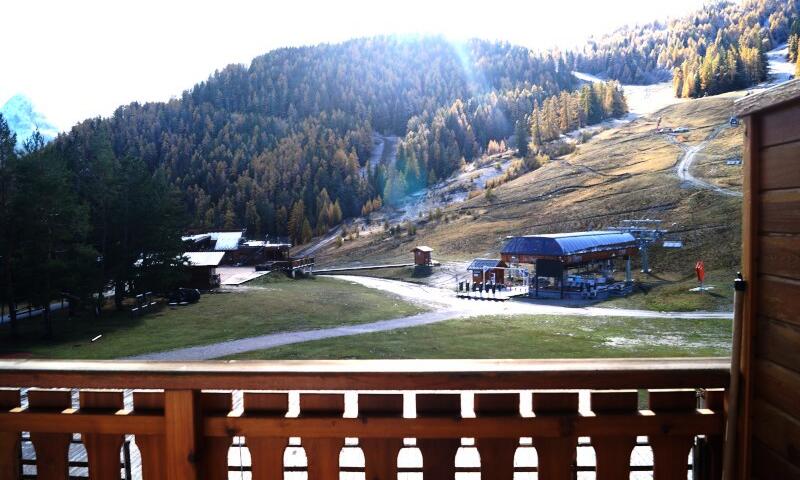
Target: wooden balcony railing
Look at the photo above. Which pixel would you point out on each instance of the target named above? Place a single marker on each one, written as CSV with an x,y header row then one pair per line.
x,y
184,430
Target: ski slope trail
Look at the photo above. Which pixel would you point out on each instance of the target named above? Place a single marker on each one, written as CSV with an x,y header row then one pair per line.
x,y
683,169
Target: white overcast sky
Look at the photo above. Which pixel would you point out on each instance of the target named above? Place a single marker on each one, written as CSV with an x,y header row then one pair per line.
x,y
77,59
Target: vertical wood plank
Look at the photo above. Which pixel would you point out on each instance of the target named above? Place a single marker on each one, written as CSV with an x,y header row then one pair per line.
x,y
714,399
380,454
102,450
181,422
671,452
52,449
439,454
266,454
613,453
497,454
557,456
750,228
151,447
214,452
9,441
322,453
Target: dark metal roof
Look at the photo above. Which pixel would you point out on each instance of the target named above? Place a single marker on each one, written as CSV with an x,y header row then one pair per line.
x,y
481,263
560,244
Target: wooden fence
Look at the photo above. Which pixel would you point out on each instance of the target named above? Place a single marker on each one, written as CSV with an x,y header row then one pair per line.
x,y
184,431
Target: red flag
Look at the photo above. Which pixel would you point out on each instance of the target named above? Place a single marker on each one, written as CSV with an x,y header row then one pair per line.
x,y
700,269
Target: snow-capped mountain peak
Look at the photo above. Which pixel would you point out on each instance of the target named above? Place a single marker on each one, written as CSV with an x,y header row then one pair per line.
x,y
24,119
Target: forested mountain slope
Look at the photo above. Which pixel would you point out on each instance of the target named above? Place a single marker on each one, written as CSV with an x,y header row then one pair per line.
x,y
277,146
718,48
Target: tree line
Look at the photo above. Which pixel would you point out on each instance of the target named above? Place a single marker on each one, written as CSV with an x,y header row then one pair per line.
x,y
78,224
719,48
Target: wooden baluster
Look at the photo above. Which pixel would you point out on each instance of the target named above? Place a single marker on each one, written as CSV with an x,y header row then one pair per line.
x,y
556,455
214,454
322,453
52,449
266,453
712,463
102,450
497,454
613,452
380,454
9,441
671,452
181,422
439,454
151,447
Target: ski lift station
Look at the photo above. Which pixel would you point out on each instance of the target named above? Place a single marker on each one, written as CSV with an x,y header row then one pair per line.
x,y
573,265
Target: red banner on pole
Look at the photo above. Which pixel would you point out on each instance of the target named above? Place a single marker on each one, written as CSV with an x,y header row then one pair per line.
x,y
700,269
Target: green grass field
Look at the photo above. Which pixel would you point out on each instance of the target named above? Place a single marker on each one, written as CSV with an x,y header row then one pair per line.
x,y
524,337
673,295
265,306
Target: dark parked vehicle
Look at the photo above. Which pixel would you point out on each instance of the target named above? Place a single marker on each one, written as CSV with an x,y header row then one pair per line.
x,y
184,296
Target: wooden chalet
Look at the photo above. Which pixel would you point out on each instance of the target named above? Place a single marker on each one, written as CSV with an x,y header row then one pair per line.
x,y
488,271
745,420
203,269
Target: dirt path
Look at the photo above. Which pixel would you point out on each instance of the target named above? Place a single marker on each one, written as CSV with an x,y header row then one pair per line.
x,y
445,307
690,155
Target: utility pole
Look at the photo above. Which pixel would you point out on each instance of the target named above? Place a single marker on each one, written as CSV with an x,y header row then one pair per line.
x,y
646,232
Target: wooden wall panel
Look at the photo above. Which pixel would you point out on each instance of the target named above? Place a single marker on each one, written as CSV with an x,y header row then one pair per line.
x,y
780,126
779,386
777,430
779,343
780,166
780,211
768,465
779,299
9,441
780,254
102,451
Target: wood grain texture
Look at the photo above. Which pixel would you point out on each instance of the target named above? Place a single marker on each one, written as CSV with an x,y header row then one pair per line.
x,y
780,255
102,450
768,465
557,457
266,453
780,166
52,449
777,430
769,98
9,441
214,451
181,413
779,211
497,454
322,453
439,455
778,342
779,299
613,452
380,454
671,451
780,124
151,447
364,375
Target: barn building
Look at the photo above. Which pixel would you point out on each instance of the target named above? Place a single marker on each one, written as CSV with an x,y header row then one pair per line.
x,y
487,271
203,269
553,256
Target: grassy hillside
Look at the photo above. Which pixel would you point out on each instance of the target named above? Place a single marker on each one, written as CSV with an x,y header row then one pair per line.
x,y
621,173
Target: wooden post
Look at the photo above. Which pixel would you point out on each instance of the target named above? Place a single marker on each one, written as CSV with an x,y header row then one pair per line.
x,y
380,454
556,455
497,454
322,453
266,453
52,449
102,450
613,453
213,460
671,452
181,422
151,447
439,454
9,441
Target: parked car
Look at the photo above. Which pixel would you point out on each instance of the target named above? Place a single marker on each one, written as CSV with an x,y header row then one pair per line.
x,y
184,296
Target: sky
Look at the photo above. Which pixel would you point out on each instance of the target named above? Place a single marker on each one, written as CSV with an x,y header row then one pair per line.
x,y
78,59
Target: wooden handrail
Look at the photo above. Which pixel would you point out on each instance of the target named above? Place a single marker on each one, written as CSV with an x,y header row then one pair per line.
x,y
363,375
